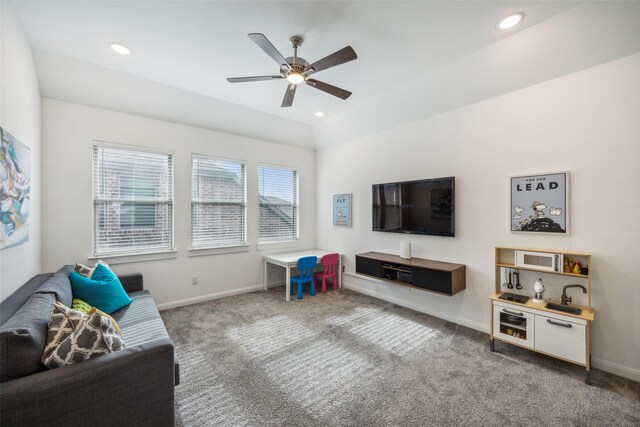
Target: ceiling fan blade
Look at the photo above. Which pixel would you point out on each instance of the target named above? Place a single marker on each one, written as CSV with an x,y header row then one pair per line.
x,y
330,89
340,57
287,101
252,79
269,49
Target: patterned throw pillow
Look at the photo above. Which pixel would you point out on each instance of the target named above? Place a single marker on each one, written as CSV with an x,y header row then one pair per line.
x,y
103,314
81,306
86,308
87,271
77,337
63,321
84,270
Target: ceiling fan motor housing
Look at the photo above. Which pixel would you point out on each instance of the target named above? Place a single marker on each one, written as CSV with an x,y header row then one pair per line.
x,y
297,67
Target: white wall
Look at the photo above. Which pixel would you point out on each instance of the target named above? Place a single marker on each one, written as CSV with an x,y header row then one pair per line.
x,y
585,123
20,116
585,35
71,80
68,132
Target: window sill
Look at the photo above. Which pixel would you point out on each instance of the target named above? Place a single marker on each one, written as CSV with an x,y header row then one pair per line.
x,y
279,244
115,259
218,250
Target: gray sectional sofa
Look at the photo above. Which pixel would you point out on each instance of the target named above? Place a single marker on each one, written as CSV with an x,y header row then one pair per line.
x,y
130,387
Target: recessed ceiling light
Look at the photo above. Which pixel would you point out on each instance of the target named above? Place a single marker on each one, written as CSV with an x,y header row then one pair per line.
x,y
319,114
120,48
510,21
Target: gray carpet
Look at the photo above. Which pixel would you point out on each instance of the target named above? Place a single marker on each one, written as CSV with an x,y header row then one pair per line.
x,y
346,359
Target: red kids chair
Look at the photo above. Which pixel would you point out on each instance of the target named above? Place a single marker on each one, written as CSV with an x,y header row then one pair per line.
x,y
329,264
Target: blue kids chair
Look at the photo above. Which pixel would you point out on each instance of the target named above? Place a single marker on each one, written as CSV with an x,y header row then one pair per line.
x,y
306,266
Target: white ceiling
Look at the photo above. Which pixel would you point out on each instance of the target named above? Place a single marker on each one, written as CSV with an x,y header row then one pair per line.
x,y
194,46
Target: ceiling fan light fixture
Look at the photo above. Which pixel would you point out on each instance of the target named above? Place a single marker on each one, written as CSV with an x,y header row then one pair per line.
x,y
295,78
510,21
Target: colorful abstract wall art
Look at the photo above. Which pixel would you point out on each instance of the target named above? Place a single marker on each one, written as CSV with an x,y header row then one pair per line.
x,y
15,186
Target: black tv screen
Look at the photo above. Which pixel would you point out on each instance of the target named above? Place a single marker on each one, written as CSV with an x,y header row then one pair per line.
x,y
415,207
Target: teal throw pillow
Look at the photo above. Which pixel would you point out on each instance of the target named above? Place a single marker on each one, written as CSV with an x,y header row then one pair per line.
x,y
103,272
103,290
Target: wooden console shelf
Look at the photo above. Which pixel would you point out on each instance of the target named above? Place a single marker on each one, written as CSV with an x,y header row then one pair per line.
x,y
434,276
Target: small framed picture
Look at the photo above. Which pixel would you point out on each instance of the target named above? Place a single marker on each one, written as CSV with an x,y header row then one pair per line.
x,y
342,210
540,203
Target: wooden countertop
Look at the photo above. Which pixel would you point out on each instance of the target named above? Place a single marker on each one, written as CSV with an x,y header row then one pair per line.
x,y
587,313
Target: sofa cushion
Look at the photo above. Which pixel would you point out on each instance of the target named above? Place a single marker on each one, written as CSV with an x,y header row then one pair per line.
x,y
23,338
103,290
93,337
13,303
59,285
140,321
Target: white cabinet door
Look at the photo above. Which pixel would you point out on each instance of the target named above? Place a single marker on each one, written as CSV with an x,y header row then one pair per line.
x,y
561,338
512,324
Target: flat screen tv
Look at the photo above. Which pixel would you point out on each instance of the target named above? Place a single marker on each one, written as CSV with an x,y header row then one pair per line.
x,y
415,207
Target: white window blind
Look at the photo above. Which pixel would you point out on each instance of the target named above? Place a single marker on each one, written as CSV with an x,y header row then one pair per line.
x,y
278,202
132,201
218,202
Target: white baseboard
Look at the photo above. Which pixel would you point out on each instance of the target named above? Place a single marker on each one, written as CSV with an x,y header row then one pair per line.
x,y
615,368
597,363
202,298
455,319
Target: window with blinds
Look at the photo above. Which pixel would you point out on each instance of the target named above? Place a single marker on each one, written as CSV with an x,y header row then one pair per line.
x,y
132,201
218,202
278,203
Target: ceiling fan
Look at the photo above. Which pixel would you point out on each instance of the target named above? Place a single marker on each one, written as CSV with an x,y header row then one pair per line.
x,y
297,70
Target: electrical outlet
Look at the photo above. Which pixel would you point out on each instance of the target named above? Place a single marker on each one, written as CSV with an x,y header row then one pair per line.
x,y
194,279
344,268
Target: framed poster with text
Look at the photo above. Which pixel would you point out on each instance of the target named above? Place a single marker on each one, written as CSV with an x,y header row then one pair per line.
x,y
342,210
539,203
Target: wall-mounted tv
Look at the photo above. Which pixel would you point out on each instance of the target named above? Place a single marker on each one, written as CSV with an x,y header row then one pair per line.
x,y
415,207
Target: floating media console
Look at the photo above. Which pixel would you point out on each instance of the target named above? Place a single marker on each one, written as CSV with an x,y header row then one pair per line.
x,y
434,276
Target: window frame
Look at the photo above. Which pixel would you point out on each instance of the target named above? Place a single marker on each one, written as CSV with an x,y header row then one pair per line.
x,y
209,247
134,252
296,205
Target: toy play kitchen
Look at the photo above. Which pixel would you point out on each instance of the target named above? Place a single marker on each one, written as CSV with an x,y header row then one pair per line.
x,y
535,315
